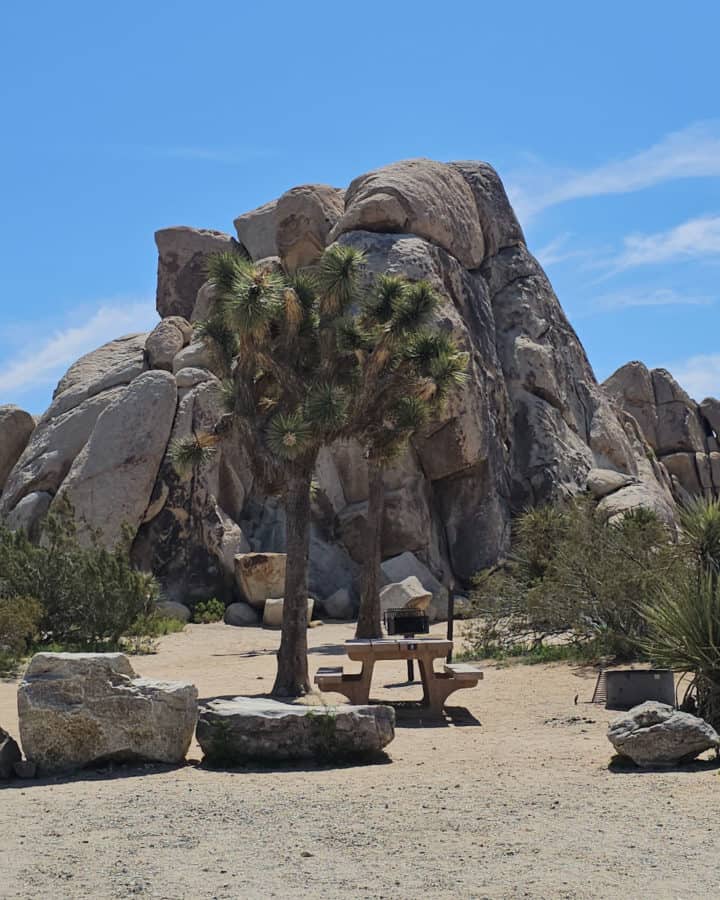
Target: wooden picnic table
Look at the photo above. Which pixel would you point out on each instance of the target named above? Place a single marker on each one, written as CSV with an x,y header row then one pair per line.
x,y
437,686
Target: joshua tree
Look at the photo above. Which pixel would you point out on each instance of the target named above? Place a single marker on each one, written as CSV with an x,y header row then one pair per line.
x,y
306,360
410,373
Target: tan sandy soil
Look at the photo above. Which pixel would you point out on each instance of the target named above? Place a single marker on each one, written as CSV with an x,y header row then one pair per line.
x,y
513,800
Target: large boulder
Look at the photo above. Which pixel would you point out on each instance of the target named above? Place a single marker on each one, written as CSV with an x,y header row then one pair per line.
x,y
260,576
9,755
88,387
256,231
166,340
655,734
407,565
117,468
421,197
81,709
241,614
116,362
249,728
171,609
304,217
405,594
16,426
339,605
53,447
182,265
29,513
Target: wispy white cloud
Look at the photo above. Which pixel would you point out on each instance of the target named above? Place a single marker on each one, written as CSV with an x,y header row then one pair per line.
x,y
647,297
695,239
692,152
40,362
699,375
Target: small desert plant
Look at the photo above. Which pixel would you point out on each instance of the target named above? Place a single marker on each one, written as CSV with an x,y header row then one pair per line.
x,y
207,611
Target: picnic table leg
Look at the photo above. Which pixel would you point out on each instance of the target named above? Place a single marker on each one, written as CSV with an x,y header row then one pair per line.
x,y
362,696
436,688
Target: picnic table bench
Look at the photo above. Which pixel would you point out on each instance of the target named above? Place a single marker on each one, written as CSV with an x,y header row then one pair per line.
x,y
437,686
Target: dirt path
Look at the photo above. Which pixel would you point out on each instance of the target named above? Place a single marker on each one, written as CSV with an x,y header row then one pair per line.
x,y
518,802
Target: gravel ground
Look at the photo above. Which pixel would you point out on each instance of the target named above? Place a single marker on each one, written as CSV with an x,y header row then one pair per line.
x,y
511,798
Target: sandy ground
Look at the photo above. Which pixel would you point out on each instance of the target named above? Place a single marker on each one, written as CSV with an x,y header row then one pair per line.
x,y
512,798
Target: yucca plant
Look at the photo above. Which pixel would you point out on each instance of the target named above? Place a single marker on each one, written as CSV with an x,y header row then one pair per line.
x,y
308,359
684,635
408,374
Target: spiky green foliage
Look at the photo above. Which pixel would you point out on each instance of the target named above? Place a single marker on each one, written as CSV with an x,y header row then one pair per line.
x,y
289,435
684,635
700,528
192,452
337,278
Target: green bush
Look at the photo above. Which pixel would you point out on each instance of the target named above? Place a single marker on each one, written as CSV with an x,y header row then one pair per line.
x,y
20,619
207,611
573,574
90,597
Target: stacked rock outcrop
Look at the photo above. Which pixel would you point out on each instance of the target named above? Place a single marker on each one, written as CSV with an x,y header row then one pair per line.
x,y
531,424
682,434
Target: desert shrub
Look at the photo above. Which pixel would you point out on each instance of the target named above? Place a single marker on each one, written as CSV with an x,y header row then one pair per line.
x,y
90,596
19,627
573,575
207,611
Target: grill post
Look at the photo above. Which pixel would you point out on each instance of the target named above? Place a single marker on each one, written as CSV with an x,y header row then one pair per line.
x,y
451,620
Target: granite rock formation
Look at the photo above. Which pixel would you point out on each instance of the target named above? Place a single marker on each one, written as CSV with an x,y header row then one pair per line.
x,y
682,434
530,426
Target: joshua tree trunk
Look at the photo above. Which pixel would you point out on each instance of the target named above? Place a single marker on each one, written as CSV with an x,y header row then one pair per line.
x,y
369,624
292,678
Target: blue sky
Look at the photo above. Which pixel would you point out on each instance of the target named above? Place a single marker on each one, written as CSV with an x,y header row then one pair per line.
x,y
602,119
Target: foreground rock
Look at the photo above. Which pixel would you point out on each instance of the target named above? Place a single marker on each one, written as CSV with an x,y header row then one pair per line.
x,y
9,755
655,734
80,709
231,731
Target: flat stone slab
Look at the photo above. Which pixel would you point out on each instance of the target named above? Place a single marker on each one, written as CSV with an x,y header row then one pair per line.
x,y
251,728
655,734
79,709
